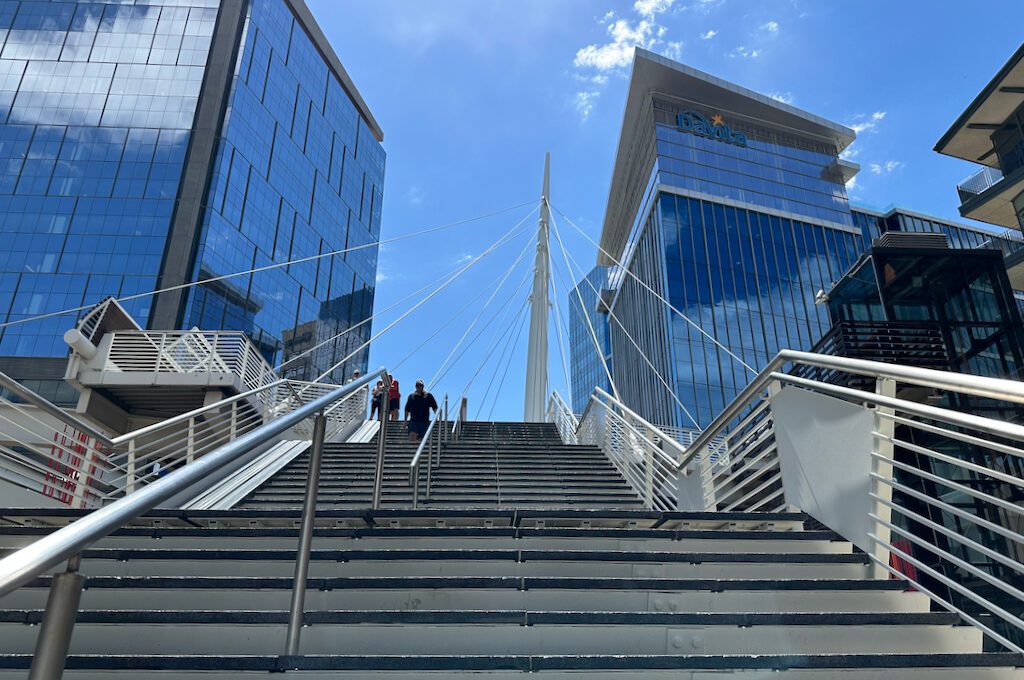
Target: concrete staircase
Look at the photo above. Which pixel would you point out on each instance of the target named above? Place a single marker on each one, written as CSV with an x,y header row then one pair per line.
x,y
508,465
554,572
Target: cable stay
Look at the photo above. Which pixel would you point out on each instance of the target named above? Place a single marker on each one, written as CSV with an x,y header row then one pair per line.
x,y
514,338
269,267
658,295
497,339
560,329
629,336
457,314
590,327
462,270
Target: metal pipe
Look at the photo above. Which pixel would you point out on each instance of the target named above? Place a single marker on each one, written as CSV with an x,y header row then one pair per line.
x,y
297,609
432,442
57,412
25,564
382,435
54,639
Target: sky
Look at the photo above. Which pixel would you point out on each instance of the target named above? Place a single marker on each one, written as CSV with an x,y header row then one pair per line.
x,y
472,93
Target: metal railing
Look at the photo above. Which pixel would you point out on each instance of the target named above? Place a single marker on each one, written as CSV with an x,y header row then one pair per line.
x,y
66,543
644,455
946,487
184,352
563,418
432,441
978,182
48,450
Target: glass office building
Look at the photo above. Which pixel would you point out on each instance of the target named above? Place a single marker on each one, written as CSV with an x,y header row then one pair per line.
x,y
732,206
149,144
589,344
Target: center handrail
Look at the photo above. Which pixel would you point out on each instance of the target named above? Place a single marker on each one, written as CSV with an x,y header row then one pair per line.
x,y
29,562
430,445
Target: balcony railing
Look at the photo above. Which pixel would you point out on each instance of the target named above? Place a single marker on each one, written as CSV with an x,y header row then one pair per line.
x,y
910,343
978,182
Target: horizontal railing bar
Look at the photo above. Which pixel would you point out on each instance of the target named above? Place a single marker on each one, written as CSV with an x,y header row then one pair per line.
x,y
981,496
771,480
22,566
632,414
948,605
980,423
952,509
952,535
951,460
962,564
192,414
950,583
48,407
952,434
993,388
742,455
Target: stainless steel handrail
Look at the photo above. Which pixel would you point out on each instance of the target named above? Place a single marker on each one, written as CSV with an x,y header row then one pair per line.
x,y
634,415
414,466
22,566
979,386
52,409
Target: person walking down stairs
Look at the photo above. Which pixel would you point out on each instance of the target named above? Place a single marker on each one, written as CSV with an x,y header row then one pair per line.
x,y
417,412
394,400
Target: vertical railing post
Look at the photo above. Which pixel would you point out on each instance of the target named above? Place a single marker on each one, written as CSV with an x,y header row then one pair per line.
x,y
129,473
297,609
648,470
446,432
190,441
234,420
881,465
159,354
51,652
431,441
382,435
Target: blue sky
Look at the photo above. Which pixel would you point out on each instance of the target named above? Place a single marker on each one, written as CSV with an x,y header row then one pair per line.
x,y
470,95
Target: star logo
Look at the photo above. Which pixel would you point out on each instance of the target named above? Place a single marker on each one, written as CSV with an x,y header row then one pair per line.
x,y
717,119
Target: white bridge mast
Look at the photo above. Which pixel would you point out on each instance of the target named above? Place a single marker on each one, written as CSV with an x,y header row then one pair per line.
x,y
537,353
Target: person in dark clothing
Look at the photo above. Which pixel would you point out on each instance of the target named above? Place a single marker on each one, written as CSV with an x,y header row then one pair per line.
x,y
417,412
378,396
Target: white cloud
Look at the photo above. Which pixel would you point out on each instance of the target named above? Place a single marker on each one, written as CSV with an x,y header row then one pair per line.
x,y
784,97
674,50
851,184
584,102
464,258
866,123
709,35
597,60
771,27
381,276
651,8
746,53
849,153
885,168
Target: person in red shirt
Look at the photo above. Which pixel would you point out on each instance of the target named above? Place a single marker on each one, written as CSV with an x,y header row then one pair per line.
x,y
394,400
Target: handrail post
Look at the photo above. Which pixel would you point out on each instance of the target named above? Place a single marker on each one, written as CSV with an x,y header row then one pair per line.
x,y
130,469
51,652
297,610
445,420
382,435
431,442
882,466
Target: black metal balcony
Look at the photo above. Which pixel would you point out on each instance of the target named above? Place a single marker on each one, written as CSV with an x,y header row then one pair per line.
x,y
911,343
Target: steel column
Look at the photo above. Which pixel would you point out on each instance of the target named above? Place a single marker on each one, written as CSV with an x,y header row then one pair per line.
x,y
537,351
54,639
297,610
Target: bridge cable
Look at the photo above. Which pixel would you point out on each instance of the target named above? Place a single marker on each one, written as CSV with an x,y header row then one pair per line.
x,y
658,295
515,230
508,364
276,265
590,325
641,352
559,330
457,314
494,345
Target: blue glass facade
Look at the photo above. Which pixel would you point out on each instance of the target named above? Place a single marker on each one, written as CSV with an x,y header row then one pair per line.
x,y
98,106
587,364
738,222
96,103
297,173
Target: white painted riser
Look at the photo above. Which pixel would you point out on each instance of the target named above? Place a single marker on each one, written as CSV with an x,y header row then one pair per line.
x,y
473,599
480,639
